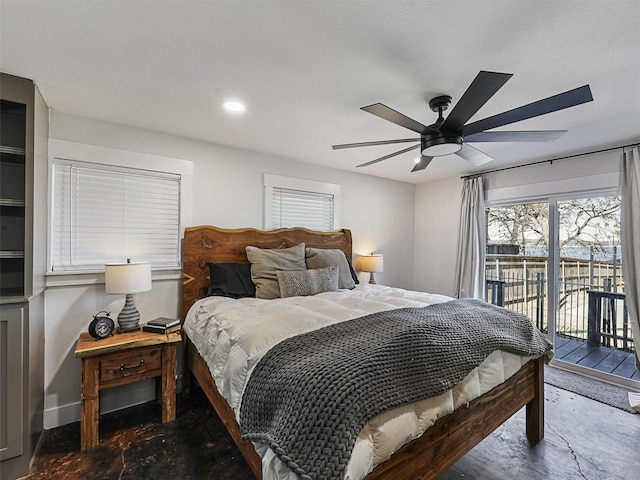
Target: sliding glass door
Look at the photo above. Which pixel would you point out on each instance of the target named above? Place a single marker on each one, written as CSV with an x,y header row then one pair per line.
x,y
592,325
559,262
518,258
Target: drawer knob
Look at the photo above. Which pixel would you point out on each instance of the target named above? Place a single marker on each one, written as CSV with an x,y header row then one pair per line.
x,y
124,367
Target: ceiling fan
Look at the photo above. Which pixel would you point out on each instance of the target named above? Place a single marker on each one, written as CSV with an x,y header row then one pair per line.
x,y
451,135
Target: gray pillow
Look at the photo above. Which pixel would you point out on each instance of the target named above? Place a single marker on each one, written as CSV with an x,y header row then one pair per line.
x,y
296,283
266,262
329,257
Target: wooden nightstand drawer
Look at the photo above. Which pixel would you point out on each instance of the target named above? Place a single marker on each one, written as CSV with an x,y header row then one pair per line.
x,y
131,365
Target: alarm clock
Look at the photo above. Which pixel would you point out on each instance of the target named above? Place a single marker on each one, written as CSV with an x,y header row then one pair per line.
x,y
101,326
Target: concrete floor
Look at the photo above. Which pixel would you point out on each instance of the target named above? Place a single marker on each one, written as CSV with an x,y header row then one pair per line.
x,y
584,439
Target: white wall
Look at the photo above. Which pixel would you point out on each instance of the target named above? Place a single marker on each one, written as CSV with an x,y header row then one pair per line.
x,y
227,192
436,235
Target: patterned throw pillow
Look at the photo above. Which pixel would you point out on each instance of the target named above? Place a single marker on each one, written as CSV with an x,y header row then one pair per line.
x,y
296,283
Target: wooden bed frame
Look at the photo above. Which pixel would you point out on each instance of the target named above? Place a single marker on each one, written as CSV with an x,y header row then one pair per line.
x,y
424,458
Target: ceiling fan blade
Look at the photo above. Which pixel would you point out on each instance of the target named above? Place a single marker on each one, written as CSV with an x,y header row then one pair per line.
x,y
561,101
473,155
370,144
483,87
422,163
388,156
516,136
389,114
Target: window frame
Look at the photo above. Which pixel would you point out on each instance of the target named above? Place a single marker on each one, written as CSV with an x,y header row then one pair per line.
x,y
117,158
302,185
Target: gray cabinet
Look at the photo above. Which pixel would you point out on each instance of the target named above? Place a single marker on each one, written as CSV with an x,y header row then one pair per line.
x,y
23,173
12,323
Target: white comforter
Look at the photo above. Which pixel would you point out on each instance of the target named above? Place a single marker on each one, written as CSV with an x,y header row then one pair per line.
x,y
233,335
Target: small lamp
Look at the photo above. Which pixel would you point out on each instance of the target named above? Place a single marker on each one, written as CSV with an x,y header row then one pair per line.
x,y
128,278
372,263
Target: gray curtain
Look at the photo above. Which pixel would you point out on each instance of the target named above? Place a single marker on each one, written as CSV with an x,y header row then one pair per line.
x,y
472,242
630,226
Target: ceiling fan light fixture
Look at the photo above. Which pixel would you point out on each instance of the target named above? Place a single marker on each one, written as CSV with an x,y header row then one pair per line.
x,y
440,146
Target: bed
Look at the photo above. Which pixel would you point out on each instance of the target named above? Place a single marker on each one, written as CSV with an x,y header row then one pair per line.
x,y
435,450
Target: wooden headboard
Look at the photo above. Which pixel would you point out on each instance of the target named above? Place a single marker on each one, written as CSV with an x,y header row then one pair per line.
x,y
212,244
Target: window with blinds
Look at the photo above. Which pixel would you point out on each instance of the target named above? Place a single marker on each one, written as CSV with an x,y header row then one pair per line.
x,y
105,214
297,208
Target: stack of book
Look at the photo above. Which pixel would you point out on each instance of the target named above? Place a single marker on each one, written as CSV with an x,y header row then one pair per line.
x,y
162,325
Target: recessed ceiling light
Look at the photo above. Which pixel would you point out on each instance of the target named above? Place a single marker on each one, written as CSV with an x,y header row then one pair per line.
x,y
234,106
417,160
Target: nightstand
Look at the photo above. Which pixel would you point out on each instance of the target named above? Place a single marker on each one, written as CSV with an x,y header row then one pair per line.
x,y
119,360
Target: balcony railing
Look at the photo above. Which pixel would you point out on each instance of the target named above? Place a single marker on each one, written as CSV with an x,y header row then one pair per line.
x,y
590,306
608,320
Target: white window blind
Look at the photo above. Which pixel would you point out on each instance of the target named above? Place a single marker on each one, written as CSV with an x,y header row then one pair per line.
x,y
297,208
105,214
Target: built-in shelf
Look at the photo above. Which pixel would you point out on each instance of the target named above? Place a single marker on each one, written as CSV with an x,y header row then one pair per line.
x,y
13,204
11,295
10,202
12,150
11,254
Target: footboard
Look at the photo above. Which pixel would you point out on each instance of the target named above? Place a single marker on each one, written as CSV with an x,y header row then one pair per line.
x,y
453,436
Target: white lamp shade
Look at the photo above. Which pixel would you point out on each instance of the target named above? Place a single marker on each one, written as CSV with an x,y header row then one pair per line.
x,y
127,277
372,263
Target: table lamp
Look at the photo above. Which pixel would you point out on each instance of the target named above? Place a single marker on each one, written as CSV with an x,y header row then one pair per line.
x,y
128,278
372,263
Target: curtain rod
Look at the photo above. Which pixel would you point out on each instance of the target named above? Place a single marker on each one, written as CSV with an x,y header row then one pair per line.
x,y
550,161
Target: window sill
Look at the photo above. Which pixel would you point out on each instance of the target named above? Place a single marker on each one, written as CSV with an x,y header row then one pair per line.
x,y
64,279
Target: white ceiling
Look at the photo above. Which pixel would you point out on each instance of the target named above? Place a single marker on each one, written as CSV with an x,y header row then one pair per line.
x,y
305,68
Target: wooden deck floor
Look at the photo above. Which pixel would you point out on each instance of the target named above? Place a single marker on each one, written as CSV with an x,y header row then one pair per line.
x,y
601,358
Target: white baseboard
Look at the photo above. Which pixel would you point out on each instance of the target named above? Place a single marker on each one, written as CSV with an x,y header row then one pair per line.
x,y
110,400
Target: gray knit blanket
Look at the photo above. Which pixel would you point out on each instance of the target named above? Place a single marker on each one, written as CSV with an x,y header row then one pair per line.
x,y
311,395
